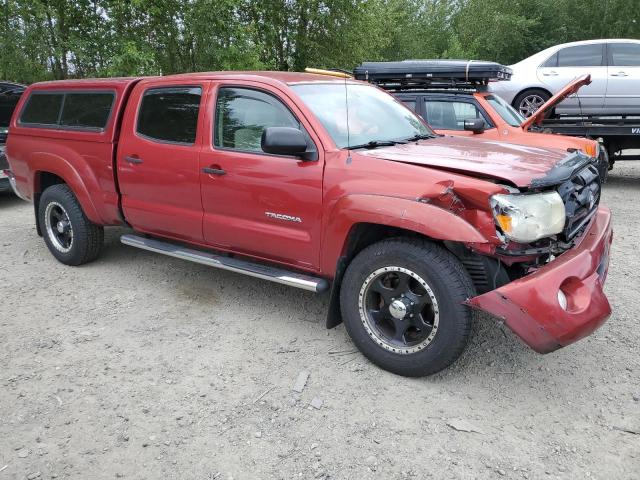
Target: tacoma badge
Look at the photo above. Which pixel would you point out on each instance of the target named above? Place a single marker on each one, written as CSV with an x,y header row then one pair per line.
x,y
281,216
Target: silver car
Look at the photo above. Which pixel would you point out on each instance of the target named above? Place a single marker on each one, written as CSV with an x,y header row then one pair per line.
x,y
614,66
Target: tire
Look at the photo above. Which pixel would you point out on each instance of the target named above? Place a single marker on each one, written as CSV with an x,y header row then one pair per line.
x,y
436,329
534,96
70,236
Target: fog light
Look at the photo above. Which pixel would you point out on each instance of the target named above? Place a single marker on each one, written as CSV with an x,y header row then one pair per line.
x,y
562,299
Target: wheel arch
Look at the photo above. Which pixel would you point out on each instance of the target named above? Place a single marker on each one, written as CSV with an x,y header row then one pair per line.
x,y
46,174
362,220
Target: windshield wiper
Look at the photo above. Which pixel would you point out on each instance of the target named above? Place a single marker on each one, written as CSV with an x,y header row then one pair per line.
x,y
423,136
376,144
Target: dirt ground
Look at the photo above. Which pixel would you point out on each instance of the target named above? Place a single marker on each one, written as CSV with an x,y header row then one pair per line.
x,y
140,366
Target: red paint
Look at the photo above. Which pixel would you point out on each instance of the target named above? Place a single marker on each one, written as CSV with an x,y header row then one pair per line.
x,y
439,188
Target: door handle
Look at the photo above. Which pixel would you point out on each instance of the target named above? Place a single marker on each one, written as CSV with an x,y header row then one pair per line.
x,y
550,74
214,171
619,74
133,160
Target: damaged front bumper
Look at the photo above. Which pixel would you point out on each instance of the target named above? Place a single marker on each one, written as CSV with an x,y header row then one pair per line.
x,y
562,301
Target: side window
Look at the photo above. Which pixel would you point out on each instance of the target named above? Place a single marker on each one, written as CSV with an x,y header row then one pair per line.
x,y
581,56
42,109
242,114
552,61
90,110
411,103
450,115
84,110
624,54
170,114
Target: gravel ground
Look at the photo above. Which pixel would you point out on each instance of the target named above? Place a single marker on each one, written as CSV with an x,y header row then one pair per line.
x,y
140,366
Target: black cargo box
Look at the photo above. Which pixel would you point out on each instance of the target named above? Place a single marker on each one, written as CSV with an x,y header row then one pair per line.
x,y
420,72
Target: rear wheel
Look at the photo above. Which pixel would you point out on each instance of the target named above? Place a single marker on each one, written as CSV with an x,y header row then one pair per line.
x,y
529,101
402,303
70,236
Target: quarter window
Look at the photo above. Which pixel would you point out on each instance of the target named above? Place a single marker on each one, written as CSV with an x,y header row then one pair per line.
x,y
552,61
450,115
581,56
90,110
625,54
242,115
170,114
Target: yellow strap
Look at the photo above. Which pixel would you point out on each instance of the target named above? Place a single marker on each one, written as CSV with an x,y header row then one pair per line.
x,y
331,73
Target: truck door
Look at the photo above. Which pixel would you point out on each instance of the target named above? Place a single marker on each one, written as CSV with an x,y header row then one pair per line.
x,y
258,204
157,158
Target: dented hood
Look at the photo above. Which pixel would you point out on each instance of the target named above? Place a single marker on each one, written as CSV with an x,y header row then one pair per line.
x,y
517,164
569,89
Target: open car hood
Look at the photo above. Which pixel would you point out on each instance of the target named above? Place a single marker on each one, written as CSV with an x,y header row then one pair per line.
x,y
569,89
519,165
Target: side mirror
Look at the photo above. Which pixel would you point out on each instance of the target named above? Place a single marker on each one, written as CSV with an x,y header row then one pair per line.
x,y
475,125
285,141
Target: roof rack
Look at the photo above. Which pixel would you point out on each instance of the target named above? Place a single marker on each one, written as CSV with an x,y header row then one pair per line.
x,y
439,74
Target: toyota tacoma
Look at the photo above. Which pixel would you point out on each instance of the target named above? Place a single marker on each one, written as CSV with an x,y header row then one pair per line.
x,y
324,184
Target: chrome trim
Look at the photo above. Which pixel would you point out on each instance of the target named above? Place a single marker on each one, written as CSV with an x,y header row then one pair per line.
x,y
14,187
265,272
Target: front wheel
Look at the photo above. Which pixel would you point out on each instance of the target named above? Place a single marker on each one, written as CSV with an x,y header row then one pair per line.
x,y
70,236
402,303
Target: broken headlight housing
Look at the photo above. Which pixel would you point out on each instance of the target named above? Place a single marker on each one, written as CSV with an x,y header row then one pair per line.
x,y
525,218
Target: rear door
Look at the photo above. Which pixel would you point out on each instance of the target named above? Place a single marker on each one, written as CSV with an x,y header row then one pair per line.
x,y
263,205
571,62
623,89
157,158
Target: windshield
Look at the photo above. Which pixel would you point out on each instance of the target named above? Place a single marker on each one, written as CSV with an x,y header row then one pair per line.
x,y
506,111
374,117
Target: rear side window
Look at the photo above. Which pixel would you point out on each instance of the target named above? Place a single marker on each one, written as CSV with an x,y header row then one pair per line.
x,y
90,110
170,114
42,109
625,54
581,56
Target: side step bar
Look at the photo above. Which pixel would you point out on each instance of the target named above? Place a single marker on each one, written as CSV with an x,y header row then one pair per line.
x,y
274,274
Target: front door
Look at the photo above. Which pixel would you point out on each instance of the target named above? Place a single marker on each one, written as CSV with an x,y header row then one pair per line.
x,y
267,206
158,170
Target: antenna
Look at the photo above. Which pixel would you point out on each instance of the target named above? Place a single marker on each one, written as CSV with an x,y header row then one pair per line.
x,y
346,105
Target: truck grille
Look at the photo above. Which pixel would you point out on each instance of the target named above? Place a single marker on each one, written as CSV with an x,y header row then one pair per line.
x,y
581,196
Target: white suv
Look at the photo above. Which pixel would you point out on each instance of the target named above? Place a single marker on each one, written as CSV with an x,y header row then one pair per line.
x,y
614,66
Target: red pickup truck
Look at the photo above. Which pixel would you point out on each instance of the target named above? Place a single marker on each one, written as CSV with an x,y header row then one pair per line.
x,y
322,184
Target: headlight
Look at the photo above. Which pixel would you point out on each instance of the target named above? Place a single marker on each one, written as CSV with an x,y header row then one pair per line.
x,y
527,218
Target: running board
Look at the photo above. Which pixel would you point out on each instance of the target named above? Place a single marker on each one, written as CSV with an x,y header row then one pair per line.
x,y
232,264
